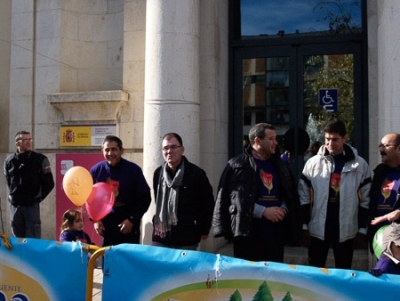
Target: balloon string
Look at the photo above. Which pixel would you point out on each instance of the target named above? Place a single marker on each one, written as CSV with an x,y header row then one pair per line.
x,y
80,209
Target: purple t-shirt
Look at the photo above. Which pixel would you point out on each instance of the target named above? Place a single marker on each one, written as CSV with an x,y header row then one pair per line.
x,y
388,194
386,265
267,196
75,235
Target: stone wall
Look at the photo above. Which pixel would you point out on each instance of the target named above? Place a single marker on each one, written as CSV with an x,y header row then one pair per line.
x,y
83,63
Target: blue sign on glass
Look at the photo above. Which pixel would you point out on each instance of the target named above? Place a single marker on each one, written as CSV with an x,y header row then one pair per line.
x,y
328,99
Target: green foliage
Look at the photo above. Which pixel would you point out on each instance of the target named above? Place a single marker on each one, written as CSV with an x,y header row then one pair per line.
x,y
287,297
263,293
338,13
330,71
236,296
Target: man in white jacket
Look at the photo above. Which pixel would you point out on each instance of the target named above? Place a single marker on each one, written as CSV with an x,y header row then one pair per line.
x,y
334,196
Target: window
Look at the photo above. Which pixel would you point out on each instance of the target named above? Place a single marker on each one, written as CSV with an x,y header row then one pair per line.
x,y
288,17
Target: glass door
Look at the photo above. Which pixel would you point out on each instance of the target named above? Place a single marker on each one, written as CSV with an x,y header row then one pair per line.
x,y
298,89
328,93
266,92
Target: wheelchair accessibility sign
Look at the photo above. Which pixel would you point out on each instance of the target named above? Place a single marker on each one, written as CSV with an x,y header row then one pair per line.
x,y
328,99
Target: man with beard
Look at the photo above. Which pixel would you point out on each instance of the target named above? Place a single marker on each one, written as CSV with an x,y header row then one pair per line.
x,y
386,183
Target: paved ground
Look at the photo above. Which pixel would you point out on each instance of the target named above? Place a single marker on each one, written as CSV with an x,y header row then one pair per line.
x,y
97,284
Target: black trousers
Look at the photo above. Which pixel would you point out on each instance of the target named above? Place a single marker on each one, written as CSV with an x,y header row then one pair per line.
x,y
112,238
257,250
343,252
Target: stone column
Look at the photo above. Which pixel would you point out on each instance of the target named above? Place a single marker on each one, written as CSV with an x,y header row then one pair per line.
x,y
388,66
171,84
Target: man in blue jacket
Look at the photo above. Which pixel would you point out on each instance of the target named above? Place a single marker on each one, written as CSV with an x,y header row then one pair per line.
x,y
131,191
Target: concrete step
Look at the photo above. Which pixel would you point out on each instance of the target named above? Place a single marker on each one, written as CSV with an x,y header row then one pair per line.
x,y
298,255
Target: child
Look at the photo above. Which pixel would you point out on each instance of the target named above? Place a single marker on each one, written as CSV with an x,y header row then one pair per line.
x,y
71,228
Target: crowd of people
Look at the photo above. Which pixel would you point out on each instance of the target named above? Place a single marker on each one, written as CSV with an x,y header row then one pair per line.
x,y
258,206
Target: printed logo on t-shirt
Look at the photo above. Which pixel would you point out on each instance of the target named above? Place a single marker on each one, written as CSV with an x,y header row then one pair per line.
x,y
387,198
335,182
267,180
115,185
387,187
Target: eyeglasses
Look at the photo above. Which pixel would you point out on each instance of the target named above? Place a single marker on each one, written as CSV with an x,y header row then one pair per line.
x,y
387,145
171,147
78,220
26,140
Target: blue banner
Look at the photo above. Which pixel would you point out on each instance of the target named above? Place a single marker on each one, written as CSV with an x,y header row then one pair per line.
x,y
37,269
44,270
144,273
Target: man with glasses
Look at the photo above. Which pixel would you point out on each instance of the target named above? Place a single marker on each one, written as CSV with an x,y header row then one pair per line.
x,y
29,181
385,189
334,196
184,199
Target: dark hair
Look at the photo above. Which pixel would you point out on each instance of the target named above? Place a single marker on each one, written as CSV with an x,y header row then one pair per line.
x,y
168,136
337,127
258,131
316,144
17,135
112,138
68,218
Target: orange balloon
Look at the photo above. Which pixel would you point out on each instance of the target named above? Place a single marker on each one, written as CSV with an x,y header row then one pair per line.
x,y
77,184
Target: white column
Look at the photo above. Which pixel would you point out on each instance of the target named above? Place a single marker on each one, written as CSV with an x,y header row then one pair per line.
x,y
171,84
22,65
388,66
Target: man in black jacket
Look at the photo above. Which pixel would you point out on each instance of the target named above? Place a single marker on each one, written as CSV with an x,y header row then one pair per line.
x,y
385,189
29,181
184,199
257,194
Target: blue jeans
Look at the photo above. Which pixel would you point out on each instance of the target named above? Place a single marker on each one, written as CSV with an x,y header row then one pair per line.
x,y
25,221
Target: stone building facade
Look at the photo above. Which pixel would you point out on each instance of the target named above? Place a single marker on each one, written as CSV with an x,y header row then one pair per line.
x,y
147,67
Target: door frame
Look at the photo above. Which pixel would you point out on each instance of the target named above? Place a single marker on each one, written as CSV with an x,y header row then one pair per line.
x,y
296,52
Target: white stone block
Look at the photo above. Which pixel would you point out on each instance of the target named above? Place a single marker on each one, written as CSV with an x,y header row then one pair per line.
x,y
115,56
48,52
21,82
21,26
22,6
21,54
48,24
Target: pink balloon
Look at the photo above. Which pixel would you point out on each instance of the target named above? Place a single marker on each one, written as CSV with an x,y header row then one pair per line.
x,y
100,201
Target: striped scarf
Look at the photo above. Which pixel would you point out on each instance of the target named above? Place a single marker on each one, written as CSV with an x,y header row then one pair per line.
x,y
167,200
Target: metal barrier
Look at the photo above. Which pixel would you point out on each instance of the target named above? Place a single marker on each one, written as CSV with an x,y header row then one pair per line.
x,y
97,252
